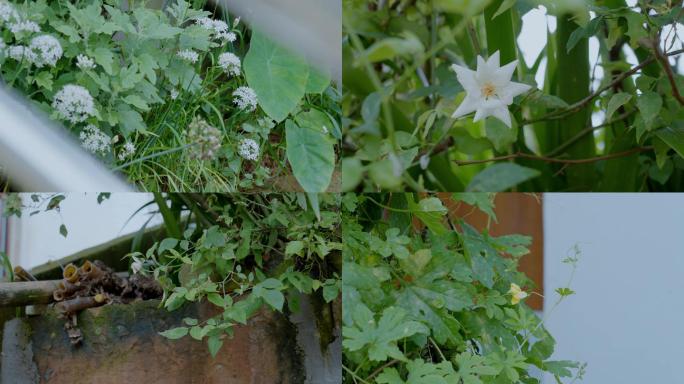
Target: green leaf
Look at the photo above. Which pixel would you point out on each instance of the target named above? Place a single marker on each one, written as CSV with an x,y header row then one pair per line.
x,y
147,65
381,338
317,82
560,368
214,343
63,230
500,177
471,368
294,248
196,332
501,136
44,79
136,101
216,299
508,363
617,101
166,244
505,6
575,37
310,151
391,47
278,76
649,103
483,201
153,25
130,120
175,333
674,137
104,57
269,290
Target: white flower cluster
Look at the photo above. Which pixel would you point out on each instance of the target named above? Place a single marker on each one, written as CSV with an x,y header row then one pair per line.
x,y
24,26
205,137
245,98
84,62
174,94
127,150
20,53
7,12
74,103
47,50
219,28
249,149
94,140
188,55
230,63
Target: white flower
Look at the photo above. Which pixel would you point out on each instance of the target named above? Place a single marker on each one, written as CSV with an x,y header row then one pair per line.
x,y
136,266
517,294
21,53
188,55
127,151
489,90
48,50
424,162
174,94
94,140
230,63
74,103
226,36
84,62
24,26
205,137
249,149
7,12
245,98
218,27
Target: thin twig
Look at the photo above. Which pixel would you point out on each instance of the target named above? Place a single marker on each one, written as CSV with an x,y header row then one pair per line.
x,y
382,368
556,115
585,132
669,72
547,159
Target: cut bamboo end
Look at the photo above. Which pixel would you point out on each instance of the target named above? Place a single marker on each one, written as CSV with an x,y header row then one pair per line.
x,y
70,273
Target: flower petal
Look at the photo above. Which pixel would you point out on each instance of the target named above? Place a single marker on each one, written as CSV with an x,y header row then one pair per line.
x,y
481,114
503,75
494,60
503,115
466,77
511,90
469,105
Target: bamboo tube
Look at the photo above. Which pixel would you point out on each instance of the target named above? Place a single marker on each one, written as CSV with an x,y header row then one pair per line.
x,y
70,273
27,292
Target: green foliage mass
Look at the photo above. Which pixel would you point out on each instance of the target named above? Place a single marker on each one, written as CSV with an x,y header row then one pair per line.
x,y
431,304
578,131
242,253
146,95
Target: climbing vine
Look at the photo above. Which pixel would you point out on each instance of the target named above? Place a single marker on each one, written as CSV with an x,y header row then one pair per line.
x,y
429,299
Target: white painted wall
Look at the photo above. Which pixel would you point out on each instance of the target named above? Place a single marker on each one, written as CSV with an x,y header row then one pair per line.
x,y
625,320
34,240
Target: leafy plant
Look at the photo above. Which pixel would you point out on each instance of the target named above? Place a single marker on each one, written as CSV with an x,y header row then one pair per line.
x,y
578,131
244,252
439,302
177,99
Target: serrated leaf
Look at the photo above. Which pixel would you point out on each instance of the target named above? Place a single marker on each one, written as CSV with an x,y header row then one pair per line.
x,y
649,103
137,102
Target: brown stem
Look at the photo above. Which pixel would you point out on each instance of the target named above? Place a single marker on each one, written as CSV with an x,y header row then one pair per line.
x,y
519,155
665,63
556,115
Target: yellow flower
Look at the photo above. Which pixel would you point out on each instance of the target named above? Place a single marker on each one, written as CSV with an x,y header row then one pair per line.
x,y
517,293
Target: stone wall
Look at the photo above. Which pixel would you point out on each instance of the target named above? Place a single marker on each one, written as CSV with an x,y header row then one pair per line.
x,y
121,345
